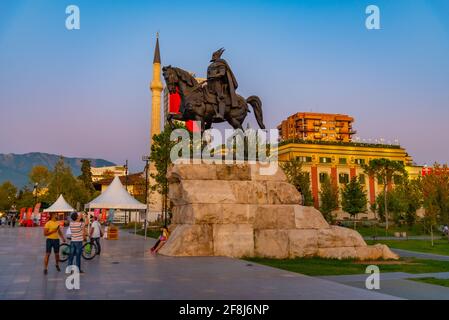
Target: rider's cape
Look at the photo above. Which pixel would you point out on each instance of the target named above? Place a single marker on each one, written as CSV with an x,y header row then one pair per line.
x,y
232,82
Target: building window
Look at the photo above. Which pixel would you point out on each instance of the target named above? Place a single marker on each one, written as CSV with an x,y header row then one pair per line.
x,y
362,178
323,176
342,161
325,160
360,161
343,178
304,159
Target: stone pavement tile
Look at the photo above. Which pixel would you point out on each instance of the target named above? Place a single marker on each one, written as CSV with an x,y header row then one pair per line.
x,y
126,270
408,289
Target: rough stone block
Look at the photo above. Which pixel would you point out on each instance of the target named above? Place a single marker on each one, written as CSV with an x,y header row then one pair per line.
x,y
258,169
237,214
192,172
207,191
183,214
190,240
271,243
282,193
303,243
274,217
378,251
257,192
309,218
233,172
233,240
339,237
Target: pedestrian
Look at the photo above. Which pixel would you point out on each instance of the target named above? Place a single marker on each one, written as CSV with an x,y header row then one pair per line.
x,y
78,236
161,241
52,232
13,221
96,233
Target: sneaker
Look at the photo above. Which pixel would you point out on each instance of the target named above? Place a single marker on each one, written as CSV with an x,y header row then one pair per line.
x,y
45,271
58,268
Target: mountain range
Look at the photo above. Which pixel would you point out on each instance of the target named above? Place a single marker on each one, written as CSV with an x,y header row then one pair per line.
x,y
15,167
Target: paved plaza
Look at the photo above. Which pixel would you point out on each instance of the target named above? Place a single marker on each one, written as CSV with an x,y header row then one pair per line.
x,y
126,270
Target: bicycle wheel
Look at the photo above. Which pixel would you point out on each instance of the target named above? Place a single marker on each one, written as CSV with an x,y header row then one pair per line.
x,y
64,252
89,251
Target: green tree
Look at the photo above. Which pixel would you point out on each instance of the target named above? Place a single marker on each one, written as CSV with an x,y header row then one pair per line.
x,y
298,178
63,182
329,198
8,193
435,187
86,176
40,175
394,205
353,198
385,169
160,158
411,198
25,198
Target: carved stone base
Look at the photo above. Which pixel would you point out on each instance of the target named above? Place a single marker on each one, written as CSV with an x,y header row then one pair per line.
x,y
234,211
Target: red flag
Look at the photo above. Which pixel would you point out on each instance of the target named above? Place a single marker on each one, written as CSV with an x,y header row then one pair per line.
x,y
174,105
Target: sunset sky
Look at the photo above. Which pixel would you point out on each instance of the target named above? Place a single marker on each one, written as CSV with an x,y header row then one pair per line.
x,y
85,93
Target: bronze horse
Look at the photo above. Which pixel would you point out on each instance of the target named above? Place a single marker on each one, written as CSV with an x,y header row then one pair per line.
x,y
199,105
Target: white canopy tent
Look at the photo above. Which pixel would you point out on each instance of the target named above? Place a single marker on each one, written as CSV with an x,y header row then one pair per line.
x,y
60,205
116,197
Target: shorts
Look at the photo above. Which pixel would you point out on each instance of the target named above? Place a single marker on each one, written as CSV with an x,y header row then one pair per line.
x,y
52,243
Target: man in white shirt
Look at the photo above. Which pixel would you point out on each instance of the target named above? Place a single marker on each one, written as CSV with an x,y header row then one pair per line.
x,y
96,233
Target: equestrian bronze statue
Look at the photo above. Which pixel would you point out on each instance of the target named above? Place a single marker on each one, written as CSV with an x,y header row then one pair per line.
x,y
213,101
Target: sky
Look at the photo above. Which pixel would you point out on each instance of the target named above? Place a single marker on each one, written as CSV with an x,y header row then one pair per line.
x,y
85,93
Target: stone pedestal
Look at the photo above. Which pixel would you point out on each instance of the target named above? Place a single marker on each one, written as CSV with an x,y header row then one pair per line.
x,y
234,211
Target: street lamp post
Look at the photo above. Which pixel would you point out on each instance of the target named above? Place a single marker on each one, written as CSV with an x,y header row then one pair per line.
x,y
147,202
35,192
126,184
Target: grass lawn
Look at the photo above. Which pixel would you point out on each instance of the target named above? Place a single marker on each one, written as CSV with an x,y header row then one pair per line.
x,y
324,267
441,246
370,231
151,232
439,282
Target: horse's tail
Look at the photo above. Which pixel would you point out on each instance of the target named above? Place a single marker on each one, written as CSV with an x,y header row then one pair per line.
x,y
255,102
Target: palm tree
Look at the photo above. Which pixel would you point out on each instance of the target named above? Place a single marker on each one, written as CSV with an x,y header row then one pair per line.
x,y
386,169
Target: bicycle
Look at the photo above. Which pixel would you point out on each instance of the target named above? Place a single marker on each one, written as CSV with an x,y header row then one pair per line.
x,y
88,251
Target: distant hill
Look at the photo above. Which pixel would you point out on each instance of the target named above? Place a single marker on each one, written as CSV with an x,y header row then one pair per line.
x,y
15,167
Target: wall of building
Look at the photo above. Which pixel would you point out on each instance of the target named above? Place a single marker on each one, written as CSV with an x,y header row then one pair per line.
x,y
320,158
317,126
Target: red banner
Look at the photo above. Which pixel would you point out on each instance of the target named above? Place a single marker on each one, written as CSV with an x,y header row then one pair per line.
x,y
174,105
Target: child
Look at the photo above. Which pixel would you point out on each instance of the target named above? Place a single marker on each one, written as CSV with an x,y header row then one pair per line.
x,y
161,241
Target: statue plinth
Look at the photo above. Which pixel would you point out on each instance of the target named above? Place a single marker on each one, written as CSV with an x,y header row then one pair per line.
x,y
234,211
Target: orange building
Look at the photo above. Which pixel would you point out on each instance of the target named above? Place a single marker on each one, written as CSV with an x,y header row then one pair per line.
x,y
317,127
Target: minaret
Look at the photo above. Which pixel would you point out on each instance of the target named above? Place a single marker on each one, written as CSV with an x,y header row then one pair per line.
x,y
156,90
